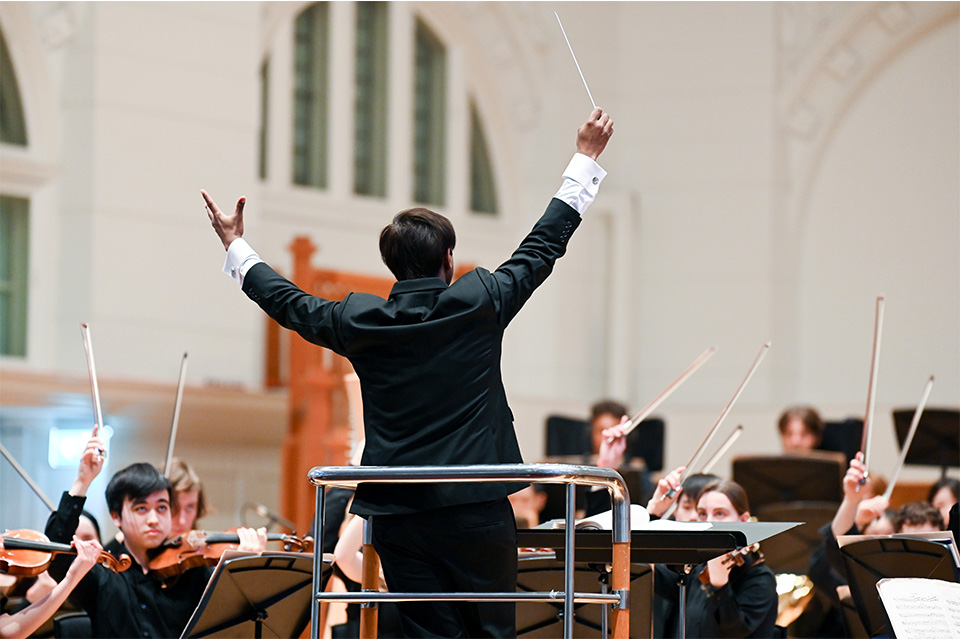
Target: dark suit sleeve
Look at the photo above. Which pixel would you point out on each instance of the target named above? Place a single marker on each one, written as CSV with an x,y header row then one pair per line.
x,y
314,318
61,525
516,279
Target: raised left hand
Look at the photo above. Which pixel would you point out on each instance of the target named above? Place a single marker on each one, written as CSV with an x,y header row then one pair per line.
x,y
228,227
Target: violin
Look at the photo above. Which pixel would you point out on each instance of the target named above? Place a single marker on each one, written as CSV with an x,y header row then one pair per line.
x,y
203,549
28,553
736,557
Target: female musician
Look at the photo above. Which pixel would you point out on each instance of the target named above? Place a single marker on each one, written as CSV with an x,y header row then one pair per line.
x,y
944,494
134,603
25,622
726,599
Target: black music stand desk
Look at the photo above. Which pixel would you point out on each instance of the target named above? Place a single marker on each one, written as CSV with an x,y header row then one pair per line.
x,y
677,543
256,596
668,543
868,559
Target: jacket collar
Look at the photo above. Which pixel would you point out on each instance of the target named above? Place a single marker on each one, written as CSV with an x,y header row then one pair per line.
x,y
417,284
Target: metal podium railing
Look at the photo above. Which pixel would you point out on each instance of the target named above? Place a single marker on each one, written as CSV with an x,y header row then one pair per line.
x,y
567,474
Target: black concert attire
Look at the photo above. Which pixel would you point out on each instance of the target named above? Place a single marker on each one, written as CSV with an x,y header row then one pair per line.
x,y
130,604
428,359
745,607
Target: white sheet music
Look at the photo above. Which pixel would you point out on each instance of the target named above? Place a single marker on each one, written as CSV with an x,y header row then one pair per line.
x,y
921,607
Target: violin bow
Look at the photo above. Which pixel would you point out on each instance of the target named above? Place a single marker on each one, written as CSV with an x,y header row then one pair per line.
x,y
650,408
909,439
871,392
723,414
176,414
92,371
26,478
733,437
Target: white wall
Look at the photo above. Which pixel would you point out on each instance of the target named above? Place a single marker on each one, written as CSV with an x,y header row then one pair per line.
x,y
723,221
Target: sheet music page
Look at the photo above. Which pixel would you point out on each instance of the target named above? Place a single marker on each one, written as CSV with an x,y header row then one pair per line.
x,y
604,521
673,525
921,607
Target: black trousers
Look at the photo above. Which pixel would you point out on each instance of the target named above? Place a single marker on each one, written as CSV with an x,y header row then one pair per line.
x,y
464,548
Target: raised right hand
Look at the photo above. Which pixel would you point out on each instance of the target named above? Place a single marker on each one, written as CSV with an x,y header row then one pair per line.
x,y
659,503
91,461
593,135
852,479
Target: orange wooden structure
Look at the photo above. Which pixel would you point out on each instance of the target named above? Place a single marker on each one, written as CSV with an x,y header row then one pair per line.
x,y
318,422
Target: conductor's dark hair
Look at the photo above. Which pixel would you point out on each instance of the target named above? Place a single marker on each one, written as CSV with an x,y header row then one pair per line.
x,y
415,244
136,482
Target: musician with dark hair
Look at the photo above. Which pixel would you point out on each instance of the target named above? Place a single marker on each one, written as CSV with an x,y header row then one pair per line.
x,y
134,603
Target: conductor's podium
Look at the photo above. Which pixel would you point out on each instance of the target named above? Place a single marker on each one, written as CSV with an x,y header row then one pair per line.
x,y
617,550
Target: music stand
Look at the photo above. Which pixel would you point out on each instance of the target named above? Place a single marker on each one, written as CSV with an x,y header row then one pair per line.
x,y
568,437
937,440
868,559
256,596
842,435
678,543
545,619
813,477
790,551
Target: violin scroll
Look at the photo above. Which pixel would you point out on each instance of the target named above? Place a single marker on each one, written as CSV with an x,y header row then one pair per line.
x,y
736,557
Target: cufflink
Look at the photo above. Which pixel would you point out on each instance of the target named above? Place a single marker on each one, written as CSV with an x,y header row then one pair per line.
x,y
596,180
233,271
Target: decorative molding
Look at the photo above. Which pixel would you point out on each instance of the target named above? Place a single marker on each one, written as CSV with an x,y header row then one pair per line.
x,y
828,53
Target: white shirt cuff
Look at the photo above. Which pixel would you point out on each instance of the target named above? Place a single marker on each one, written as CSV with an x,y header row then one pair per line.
x,y
581,182
240,257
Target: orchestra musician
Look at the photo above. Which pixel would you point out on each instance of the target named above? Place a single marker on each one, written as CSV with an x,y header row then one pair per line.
x,y
188,506
26,621
725,599
944,493
862,510
190,501
801,430
134,603
428,359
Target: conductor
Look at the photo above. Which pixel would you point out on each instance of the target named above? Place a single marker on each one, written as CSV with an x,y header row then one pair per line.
x,y
428,358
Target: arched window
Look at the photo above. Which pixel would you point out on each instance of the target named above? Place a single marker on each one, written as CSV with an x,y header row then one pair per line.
x,y
483,190
429,117
370,117
372,113
311,54
14,220
13,129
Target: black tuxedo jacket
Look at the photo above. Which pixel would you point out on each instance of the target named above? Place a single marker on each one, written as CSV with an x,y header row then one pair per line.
x,y
428,358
